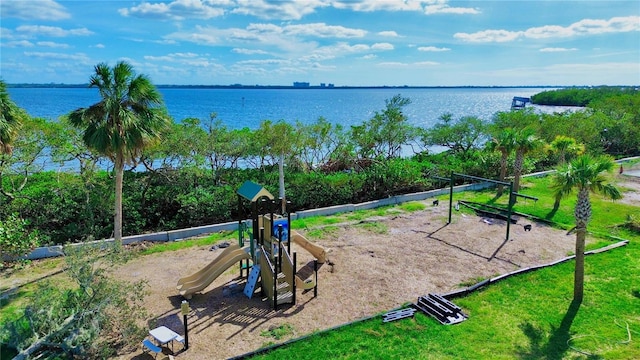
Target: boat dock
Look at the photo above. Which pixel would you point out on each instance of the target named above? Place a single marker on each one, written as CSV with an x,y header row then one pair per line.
x,y
519,102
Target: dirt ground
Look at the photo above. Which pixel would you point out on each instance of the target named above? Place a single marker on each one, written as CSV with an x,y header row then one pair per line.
x,y
374,266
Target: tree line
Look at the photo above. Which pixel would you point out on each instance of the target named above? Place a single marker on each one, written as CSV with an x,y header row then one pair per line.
x,y
64,177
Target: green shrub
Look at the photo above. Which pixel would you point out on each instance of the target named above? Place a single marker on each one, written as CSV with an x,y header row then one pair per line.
x,y
15,239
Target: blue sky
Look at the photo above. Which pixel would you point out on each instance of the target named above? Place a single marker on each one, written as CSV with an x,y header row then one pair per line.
x,y
343,42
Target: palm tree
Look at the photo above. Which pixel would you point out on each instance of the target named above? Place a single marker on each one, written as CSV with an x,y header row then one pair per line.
x,y
565,145
11,119
585,174
128,117
504,142
525,141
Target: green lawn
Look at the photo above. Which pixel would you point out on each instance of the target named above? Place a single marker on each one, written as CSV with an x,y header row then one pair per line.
x,y
529,316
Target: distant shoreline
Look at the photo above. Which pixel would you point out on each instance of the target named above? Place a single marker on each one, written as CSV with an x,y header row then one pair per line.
x,y
278,87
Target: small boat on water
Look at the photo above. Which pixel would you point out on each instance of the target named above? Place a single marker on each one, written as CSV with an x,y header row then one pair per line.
x,y
519,102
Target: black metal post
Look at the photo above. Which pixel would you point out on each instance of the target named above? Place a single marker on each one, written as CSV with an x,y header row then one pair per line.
x,y
450,196
510,208
271,217
275,283
184,308
288,227
315,271
295,261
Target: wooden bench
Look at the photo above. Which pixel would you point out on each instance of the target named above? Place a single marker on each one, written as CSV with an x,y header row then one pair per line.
x,y
151,347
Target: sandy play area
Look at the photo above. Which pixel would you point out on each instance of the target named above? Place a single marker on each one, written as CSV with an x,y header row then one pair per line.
x,y
374,266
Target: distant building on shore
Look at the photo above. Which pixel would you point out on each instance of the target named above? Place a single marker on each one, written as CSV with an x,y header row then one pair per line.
x,y
300,84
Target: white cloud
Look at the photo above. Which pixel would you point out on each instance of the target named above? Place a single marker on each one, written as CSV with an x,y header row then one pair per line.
x,y
446,9
388,33
370,56
33,10
262,37
264,62
248,51
432,49
489,36
175,57
557,49
381,5
52,44
280,10
290,10
177,10
580,28
15,44
57,56
427,7
382,46
54,31
323,30
99,46
398,64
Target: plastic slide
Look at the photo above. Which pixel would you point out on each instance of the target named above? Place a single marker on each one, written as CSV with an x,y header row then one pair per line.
x,y
316,250
191,284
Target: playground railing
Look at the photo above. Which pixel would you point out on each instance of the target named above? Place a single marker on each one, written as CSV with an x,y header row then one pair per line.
x,y
267,273
288,269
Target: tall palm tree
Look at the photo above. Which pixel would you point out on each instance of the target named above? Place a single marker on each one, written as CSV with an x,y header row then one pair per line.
x,y
128,117
504,142
565,145
585,174
11,119
525,141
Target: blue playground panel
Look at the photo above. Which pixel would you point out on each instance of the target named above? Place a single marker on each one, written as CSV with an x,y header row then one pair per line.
x,y
285,228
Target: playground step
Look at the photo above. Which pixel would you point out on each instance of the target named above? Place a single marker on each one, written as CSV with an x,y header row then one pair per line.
x,y
441,309
398,314
283,287
285,298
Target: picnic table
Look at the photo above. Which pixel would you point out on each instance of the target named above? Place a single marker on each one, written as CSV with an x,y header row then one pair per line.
x,y
163,335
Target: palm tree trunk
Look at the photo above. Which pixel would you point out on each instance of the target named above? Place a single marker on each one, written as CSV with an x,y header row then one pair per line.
x,y
281,178
117,220
503,170
582,214
578,281
517,170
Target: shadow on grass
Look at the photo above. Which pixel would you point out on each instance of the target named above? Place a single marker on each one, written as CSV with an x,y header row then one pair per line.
x,y
556,345
551,214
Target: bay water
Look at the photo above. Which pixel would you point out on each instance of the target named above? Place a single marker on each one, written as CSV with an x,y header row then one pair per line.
x,y
238,108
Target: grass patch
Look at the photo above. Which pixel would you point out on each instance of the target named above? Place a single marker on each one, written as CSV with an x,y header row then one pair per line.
x,y
412,206
278,332
322,233
471,281
374,227
212,239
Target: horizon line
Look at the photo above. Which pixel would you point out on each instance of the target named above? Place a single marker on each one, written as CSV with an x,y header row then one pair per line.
x,y
324,87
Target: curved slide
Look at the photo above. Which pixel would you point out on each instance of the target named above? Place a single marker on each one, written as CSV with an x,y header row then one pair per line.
x,y
316,250
193,283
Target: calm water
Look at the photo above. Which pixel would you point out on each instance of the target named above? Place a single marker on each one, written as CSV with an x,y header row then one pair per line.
x,y
239,108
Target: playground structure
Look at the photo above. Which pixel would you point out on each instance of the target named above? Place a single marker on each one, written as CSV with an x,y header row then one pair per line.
x,y
263,251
